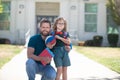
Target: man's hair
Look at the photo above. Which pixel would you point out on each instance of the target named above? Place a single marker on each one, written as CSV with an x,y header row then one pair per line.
x,y
44,20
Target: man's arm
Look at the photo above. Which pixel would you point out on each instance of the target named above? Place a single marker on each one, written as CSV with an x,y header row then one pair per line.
x,y
30,54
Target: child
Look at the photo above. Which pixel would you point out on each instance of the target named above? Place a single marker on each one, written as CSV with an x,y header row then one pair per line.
x,y
61,48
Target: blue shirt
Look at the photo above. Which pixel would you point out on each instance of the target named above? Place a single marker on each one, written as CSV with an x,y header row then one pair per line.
x,y
37,43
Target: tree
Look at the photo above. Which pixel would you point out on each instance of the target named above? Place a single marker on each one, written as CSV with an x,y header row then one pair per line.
x,y
1,7
114,6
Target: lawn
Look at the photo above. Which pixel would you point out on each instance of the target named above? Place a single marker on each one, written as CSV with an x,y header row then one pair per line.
x,y
108,56
7,52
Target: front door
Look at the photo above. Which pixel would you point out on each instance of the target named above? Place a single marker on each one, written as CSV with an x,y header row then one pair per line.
x,y
48,10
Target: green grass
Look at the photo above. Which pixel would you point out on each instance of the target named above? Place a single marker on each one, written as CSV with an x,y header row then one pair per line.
x,y
7,52
110,57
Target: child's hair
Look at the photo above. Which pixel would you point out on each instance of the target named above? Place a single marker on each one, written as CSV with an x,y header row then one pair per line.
x,y
59,19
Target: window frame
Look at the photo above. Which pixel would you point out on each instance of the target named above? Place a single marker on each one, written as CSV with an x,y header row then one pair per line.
x,y
88,13
6,22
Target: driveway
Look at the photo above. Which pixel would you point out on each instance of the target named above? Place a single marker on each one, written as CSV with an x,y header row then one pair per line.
x,y
81,68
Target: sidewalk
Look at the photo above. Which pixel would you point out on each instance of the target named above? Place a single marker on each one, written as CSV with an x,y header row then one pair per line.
x,y
81,68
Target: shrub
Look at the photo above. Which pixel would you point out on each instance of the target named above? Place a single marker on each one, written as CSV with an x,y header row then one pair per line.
x,y
89,43
113,39
97,40
4,41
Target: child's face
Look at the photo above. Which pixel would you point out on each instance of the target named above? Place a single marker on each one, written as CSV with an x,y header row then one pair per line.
x,y
60,25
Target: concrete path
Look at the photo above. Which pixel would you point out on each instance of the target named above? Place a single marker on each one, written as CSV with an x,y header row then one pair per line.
x,y
82,68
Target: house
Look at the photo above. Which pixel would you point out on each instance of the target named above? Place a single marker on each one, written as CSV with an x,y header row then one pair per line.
x,y
86,18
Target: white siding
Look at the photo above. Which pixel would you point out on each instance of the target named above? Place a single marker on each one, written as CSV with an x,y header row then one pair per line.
x,y
23,19
30,17
45,8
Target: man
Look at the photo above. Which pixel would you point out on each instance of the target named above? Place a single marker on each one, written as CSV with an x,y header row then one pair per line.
x,y
35,46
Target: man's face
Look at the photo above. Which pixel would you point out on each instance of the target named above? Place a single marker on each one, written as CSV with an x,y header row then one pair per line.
x,y
45,29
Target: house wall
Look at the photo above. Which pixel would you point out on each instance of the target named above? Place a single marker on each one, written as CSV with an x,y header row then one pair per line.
x,y
30,16
73,11
23,19
43,9
10,34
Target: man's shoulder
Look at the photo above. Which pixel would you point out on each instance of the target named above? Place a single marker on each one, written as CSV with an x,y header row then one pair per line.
x,y
34,40
36,36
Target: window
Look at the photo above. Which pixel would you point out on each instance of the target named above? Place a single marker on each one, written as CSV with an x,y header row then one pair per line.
x,y
90,17
5,16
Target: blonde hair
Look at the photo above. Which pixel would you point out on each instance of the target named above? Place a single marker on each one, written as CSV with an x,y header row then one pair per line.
x,y
59,19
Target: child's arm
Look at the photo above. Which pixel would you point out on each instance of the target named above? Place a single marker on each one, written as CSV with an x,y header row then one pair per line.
x,y
66,41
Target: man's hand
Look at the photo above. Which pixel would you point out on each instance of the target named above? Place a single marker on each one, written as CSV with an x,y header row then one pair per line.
x,y
49,45
46,59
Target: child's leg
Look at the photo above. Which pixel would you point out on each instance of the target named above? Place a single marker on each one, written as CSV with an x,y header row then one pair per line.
x,y
59,71
64,73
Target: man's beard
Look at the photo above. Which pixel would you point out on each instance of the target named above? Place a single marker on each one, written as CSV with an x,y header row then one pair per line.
x,y
44,34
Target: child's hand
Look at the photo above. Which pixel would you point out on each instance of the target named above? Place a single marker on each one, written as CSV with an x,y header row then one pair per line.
x,y
58,37
67,48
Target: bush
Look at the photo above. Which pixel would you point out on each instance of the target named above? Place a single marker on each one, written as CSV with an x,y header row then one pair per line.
x,y
89,43
113,39
97,40
4,41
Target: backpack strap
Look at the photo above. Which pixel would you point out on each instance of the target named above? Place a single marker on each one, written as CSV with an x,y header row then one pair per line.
x,y
65,34
52,33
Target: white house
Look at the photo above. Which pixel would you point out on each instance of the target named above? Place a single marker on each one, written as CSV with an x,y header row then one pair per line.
x,y
85,18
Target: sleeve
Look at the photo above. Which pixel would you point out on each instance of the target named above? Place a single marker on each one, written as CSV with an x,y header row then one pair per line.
x,y
32,42
68,36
